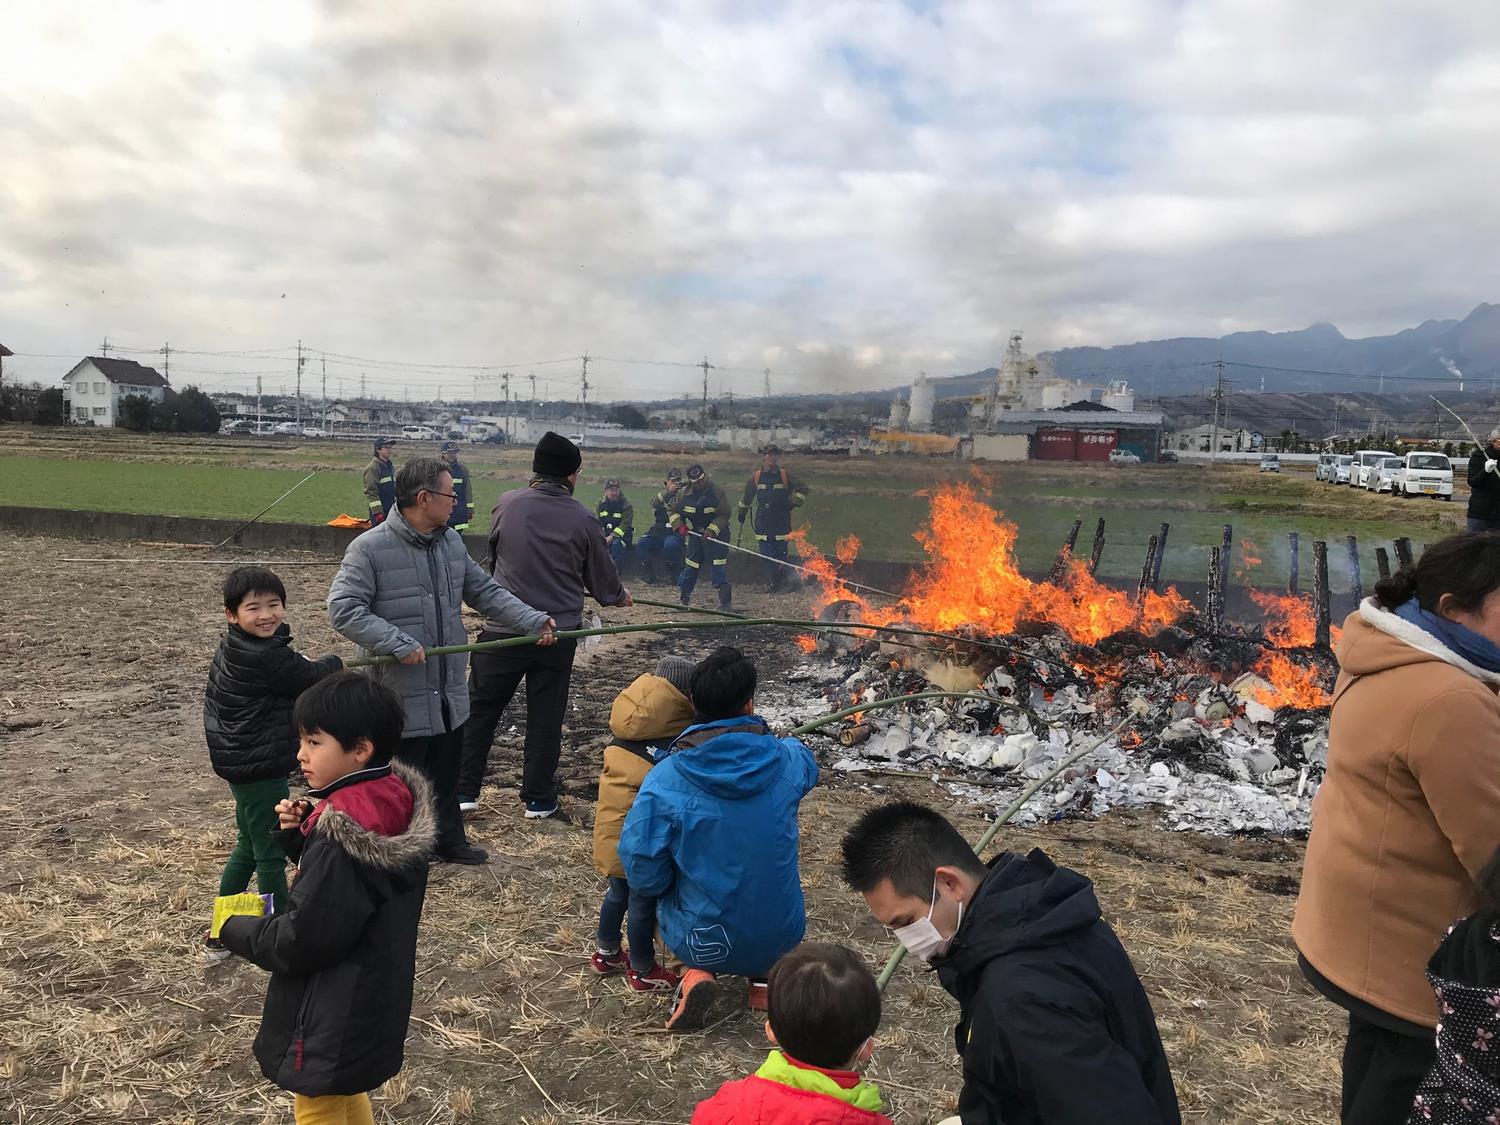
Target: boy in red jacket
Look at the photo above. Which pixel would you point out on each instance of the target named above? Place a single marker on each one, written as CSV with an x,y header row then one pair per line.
x,y
824,1009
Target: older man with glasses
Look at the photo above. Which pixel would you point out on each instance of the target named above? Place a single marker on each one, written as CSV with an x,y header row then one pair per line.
x,y
400,591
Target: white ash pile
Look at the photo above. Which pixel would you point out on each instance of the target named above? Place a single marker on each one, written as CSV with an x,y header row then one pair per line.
x,y
1220,750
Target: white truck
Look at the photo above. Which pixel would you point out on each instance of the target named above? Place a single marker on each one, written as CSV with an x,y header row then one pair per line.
x,y
1425,473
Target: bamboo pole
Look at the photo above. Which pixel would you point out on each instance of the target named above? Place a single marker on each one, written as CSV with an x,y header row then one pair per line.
x,y
1145,583
1358,587
1382,562
1320,593
1161,550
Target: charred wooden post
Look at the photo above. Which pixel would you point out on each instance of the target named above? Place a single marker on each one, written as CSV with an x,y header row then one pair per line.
x,y
1214,611
1383,562
1291,571
1403,553
1320,592
1161,549
1145,583
1098,548
1225,550
1060,564
1354,582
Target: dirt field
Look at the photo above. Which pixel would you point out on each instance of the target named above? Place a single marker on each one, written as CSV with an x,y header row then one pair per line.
x,y
112,831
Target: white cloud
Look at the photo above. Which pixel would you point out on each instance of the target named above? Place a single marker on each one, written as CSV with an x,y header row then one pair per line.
x,y
845,191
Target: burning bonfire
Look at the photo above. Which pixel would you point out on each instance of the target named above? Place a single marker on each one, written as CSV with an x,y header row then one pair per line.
x,y
1236,735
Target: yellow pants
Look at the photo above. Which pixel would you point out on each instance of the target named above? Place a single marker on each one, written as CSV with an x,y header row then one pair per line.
x,y
335,1109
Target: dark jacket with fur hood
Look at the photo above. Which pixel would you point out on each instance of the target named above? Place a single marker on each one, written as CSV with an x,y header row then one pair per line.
x,y
342,956
247,709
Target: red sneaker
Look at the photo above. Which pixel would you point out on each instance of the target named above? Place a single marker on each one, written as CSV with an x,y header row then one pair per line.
x,y
697,997
606,963
759,993
656,979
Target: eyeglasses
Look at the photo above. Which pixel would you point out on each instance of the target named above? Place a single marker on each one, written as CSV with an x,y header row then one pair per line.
x,y
434,492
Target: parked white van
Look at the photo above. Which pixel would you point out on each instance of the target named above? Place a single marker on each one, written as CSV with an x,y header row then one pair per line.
x,y
419,433
1365,461
1343,468
1326,463
1425,473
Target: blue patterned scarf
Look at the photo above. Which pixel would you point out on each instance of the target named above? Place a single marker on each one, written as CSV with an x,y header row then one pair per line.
x,y
1455,637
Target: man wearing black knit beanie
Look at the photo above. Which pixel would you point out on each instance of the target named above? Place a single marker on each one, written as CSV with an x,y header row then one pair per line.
x,y
543,542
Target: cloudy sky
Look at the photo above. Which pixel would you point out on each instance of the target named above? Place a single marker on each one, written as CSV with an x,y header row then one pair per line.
x,y
842,192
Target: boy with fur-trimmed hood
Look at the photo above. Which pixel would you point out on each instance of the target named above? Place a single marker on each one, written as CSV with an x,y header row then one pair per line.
x,y
342,955
646,717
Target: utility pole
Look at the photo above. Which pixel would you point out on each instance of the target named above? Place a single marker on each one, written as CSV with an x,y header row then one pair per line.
x,y
104,348
166,362
703,412
583,399
325,394
505,383
1213,449
259,417
532,377
300,360
362,386
767,392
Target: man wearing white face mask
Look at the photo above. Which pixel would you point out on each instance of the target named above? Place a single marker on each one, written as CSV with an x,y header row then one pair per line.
x,y
1054,1026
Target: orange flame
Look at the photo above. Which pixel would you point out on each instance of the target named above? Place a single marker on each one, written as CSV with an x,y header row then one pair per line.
x,y
806,642
846,550
1292,684
971,579
1290,620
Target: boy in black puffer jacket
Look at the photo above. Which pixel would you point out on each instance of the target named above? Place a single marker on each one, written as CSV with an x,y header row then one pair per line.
x,y
247,717
342,955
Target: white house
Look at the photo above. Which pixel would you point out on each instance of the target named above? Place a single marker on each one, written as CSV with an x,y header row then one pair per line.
x,y
96,385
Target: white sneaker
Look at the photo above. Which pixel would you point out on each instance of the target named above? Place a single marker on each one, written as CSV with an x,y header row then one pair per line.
x,y
468,806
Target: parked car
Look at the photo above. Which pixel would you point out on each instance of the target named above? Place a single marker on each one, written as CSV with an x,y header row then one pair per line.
x,y
1270,463
1123,457
241,426
1425,474
313,431
419,433
1365,460
1343,469
1327,462
287,429
1167,457
1383,475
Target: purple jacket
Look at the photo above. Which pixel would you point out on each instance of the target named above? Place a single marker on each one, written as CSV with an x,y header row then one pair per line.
x,y
548,549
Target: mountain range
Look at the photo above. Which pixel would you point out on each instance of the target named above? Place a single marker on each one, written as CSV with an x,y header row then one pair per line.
x,y
1316,358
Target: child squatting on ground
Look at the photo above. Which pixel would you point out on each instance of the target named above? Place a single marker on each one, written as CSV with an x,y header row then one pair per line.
x,y
342,955
712,837
823,1012
247,721
644,720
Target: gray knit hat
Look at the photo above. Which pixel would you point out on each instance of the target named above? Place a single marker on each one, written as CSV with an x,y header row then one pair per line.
x,y
677,671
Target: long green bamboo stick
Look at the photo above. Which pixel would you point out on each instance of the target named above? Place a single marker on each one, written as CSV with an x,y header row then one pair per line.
x,y
1137,708
892,701
666,626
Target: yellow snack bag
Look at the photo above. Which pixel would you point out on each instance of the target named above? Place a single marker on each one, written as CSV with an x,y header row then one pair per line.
x,y
227,906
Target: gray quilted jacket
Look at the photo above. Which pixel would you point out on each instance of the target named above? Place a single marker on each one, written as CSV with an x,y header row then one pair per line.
x,y
397,591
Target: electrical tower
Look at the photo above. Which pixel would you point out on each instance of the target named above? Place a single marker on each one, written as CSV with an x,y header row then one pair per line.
x,y
166,362
532,377
300,361
325,395
703,411
767,392
505,384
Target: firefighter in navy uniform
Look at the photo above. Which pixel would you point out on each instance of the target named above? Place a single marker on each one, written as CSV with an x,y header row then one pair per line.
x,y
617,515
774,492
463,489
380,481
659,538
700,514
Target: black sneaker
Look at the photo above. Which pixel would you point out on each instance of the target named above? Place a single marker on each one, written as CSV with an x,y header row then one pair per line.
x,y
466,854
541,810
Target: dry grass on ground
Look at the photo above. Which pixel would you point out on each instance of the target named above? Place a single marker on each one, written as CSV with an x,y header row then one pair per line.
x,y
112,831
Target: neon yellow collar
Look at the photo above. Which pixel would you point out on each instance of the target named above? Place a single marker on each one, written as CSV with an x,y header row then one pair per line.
x,y
776,1068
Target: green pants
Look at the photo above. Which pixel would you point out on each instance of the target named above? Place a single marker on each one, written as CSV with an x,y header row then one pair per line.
x,y
256,849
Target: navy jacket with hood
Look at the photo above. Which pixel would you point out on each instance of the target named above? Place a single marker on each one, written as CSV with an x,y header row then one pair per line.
x,y
1055,1026
713,837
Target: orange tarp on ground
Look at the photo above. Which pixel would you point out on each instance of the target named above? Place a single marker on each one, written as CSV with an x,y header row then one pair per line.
x,y
343,519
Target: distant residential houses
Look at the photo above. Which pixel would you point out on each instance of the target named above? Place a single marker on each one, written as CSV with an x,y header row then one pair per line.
x,y
96,384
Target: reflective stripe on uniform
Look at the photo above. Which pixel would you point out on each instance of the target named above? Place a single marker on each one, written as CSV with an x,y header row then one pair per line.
x,y
387,480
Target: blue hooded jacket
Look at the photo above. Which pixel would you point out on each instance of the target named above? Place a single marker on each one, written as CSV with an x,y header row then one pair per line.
x,y
713,837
